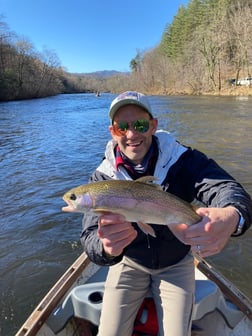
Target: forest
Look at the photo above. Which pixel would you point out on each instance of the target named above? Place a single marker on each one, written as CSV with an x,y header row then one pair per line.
x,y
206,49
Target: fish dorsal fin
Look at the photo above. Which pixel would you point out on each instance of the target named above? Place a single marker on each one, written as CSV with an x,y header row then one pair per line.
x,y
149,180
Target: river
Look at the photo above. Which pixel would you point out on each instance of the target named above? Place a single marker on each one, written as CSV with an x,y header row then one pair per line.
x,y
49,145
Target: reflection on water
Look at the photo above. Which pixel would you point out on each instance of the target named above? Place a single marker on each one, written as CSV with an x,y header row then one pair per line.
x,y
50,145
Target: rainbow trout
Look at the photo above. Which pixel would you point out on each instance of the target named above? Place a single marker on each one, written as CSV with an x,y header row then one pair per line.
x,y
139,201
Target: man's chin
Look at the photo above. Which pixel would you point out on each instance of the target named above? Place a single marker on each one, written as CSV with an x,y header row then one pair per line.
x,y
134,157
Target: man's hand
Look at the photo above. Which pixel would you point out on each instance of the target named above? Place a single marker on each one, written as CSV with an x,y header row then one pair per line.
x,y
212,233
115,233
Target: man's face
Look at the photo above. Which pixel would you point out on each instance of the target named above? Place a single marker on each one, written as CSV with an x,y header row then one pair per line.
x,y
133,144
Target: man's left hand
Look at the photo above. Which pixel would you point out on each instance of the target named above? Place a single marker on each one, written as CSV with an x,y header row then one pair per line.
x,y
211,234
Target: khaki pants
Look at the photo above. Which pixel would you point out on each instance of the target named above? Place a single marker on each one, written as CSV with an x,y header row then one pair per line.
x,y
128,283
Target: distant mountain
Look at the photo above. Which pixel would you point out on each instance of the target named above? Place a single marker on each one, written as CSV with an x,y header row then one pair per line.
x,y
102,74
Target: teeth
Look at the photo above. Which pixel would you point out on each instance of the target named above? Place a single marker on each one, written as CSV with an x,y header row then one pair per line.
x,y
134,144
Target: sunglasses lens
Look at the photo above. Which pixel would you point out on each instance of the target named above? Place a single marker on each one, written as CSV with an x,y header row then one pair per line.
x,y
141,125
120,128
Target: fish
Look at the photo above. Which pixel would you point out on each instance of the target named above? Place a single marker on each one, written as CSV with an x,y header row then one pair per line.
x,y
140,201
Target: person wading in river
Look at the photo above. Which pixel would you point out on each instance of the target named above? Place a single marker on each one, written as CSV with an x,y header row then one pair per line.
x,y
163,265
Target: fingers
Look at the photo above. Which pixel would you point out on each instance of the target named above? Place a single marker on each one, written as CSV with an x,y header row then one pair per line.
x,y
211,234
112,224
115,233
115,246
179,231
110,218
205,250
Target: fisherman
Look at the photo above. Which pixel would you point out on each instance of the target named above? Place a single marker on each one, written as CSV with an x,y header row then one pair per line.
x,y
162,265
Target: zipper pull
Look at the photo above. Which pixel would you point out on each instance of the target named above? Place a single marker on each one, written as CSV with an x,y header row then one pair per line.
x,y
148,240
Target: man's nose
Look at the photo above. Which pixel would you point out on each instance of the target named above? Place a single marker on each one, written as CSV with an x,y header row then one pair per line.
x,y
131,131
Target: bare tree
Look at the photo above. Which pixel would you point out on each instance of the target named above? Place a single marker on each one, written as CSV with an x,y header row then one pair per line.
x,y
24,51
240,43
47,79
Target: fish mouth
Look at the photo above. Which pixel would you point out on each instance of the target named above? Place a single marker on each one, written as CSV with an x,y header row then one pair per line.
x,y
69,207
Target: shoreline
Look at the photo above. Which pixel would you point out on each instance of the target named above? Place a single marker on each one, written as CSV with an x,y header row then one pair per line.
x,y
227,92
238,91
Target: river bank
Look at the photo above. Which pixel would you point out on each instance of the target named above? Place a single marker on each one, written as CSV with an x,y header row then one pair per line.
x,y
232,91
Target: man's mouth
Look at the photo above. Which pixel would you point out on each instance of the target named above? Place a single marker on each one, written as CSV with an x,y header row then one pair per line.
x,y
134,144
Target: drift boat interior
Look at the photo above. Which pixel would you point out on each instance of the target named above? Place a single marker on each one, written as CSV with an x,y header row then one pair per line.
x,y
73,305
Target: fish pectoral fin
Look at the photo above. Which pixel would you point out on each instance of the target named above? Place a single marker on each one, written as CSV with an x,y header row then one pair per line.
x,y
146,228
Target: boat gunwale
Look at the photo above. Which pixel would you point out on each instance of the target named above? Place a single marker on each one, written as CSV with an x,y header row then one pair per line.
x,y
40,314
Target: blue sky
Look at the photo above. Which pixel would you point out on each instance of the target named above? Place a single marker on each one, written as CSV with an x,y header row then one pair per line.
x,y
91,35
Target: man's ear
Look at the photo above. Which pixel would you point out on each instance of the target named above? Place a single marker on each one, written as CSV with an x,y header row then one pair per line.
x,y
154,125
112,132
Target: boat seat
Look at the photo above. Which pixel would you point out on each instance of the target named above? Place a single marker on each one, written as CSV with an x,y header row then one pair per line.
x,y
208,298
85,301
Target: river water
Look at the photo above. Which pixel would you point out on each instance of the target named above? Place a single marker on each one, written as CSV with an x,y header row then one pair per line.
x,y
50,145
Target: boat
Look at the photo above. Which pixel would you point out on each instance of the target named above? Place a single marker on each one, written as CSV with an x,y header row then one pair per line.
x,y
73,305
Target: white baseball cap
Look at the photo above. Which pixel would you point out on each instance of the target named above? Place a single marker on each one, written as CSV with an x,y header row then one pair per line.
x,y
127,98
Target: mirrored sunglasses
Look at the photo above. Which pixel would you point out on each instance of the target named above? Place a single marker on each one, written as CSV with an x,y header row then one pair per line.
x,y
120,128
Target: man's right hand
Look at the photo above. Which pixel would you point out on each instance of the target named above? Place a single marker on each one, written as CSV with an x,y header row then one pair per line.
x,y
115,233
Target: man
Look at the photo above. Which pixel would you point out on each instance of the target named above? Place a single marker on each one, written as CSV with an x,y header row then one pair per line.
x,y
164,265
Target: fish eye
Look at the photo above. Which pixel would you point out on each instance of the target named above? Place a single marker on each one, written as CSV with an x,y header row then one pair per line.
x,y
73,197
